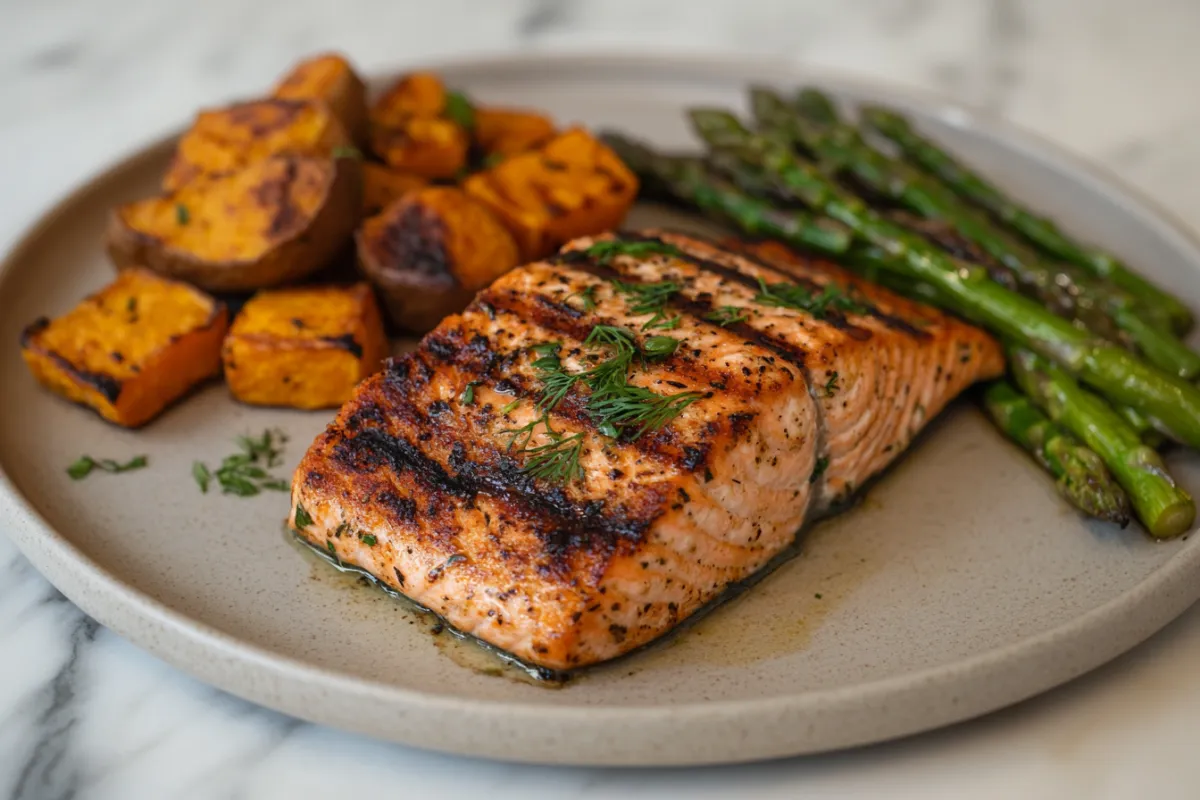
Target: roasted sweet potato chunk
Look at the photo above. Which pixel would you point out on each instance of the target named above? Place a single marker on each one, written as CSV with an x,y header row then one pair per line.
x,y
571,186
413,129
304,347
506,132
418,94
227,139
382,186
331,79
429,253
131,349
272,222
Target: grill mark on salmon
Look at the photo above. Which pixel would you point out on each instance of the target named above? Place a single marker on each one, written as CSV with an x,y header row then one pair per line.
x,y
566,575
694,307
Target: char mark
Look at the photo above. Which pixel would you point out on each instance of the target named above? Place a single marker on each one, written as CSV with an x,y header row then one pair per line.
x,y
346,342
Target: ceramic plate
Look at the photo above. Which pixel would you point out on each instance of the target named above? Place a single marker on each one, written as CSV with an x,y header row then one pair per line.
x,y
961,584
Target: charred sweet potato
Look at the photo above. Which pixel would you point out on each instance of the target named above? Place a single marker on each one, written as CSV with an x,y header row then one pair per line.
x,y
227,139
430,147
506,132
415,127
272,222
429,253
331,79
571,186
304,347
382,186
131,349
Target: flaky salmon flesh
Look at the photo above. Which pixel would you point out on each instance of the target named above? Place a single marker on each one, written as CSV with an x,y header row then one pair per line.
x,y
425,480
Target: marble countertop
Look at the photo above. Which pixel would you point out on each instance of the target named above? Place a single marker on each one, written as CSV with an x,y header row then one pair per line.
x,y
84,714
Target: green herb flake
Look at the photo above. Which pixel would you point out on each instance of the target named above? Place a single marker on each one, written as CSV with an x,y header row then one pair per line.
x,y
819,469
556,461
85,465
303,520
510,407
82,467
605,251
460,110
201,475
493,159
131,305
660,346
467,397
817,595
329,546
182,215
727,315
347,151
368,539
831,385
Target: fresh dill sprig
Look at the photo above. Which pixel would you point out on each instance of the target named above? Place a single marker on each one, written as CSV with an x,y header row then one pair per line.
x,y
727,315
831,385
793,295
605,251
557,460
651,298
634,410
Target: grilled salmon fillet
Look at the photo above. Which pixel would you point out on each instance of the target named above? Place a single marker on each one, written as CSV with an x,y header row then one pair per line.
x,y
428,477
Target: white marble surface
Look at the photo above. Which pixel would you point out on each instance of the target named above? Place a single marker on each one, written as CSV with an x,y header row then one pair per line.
x,y
84,714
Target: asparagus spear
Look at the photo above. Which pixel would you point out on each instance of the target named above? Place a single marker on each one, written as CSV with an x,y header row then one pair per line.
x,y
1114,371
1103,309
1165,509
1079,473
1039,230
687,180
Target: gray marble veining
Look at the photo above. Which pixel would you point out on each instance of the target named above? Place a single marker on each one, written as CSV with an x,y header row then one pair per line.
x,y
84,714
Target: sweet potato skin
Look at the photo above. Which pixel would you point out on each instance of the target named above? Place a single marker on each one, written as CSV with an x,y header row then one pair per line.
x,y
331,79
131,349
572,186
228,139
383,186
304,347
273,222
429,253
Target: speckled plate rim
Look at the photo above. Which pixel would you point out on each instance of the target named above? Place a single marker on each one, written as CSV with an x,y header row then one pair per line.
x,y
821,720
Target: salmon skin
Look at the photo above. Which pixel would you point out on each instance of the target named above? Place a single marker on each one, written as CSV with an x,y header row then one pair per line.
x,y
419,481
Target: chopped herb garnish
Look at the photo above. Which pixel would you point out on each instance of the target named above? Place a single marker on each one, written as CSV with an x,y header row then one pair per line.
x,y
819,469
329,546
817,595
831,385
202,476
510,406
368,539
802,298
303,520
608,249
459,109
557,460
468,394
131,305
347,151
182,215
650,298
587,298
245,474
85,465
727,315
659,346
639,410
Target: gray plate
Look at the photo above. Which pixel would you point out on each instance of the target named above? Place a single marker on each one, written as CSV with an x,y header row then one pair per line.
x,y
961,585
